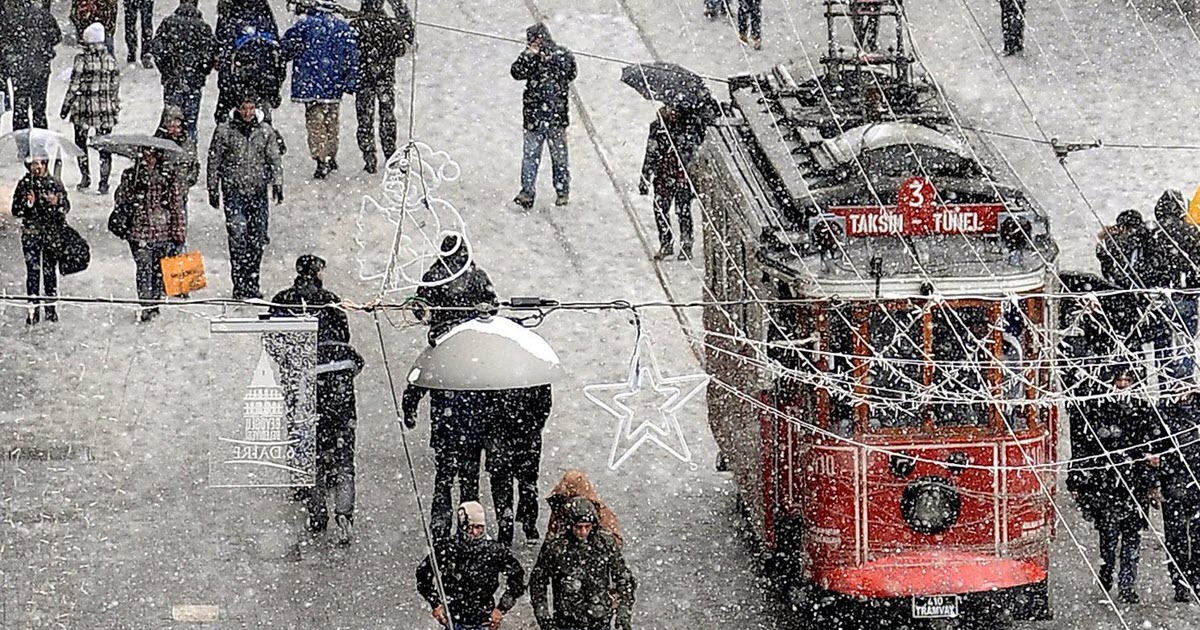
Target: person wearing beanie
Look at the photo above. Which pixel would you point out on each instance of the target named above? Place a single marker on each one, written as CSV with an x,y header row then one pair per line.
x,y
243,165
183,48
41,203
28,35
547,70
324,54
93,101
584,569
308,297
471,568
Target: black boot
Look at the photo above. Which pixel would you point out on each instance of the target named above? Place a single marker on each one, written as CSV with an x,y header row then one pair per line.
x,y
369,163
34,316
51,314
85,173
322,170
1106,577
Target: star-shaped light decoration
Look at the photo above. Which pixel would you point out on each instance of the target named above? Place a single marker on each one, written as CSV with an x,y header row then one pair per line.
x,y
662,429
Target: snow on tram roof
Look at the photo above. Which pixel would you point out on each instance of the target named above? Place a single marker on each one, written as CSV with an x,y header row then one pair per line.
x,y
878,135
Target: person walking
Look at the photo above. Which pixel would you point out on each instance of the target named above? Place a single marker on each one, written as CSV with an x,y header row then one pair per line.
x,y
243,165
585,570
139,11
86,12
28,36
41,203
324,55
574,484
452,285
1116,498
670,146
152,193
547,70
93,101
1180,469
514,454
470,568
381,39
456,435
338,363
1012,23
749,22
185,50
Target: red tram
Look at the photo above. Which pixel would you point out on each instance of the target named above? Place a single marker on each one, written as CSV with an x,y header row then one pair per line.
x,y
881,373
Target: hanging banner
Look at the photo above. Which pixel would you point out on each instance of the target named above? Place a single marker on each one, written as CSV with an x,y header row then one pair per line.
x,y
266,437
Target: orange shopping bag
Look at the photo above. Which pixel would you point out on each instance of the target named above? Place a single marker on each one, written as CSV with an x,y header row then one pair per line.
x,y
183,273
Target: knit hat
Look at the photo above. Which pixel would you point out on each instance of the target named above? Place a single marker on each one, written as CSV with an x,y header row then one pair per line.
x,y
1130,219
471,513
94,34
581,510
309,265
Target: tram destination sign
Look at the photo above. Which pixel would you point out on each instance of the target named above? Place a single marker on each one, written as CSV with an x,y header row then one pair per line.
x,y
916,213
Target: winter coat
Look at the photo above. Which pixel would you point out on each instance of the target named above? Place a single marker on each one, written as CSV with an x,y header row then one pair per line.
x,y
381,40
575,483
458,418
184,49
1177,242
1109,492
244,156
93,98
155,198
311,298
1180,466
469,288
669,151
324,55
85,12
253,65
338,363
41,219
1122,254
547,76
28,36
589,580
471,571
233,16
514,430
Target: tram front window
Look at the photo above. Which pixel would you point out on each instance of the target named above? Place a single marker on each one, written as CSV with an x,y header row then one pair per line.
x,y
962,352
895,367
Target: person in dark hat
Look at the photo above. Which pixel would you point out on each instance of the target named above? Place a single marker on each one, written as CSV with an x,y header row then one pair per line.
x,y
308,297
547,70
454,282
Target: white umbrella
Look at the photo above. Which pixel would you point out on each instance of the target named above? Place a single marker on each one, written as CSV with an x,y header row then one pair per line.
x,y
40,143
486,354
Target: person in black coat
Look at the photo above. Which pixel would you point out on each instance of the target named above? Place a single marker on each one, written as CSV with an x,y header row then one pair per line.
x,y
41,203
670,146
1012,23
1180,493
471,568
1113,491
249,58
28,36
382,40
514,453
454,282
185,50
547,70
458,421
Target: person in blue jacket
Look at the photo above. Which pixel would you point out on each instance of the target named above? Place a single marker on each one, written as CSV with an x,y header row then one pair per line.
x,y
324,54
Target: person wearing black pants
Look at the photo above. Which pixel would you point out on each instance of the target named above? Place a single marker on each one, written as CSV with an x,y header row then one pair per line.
x,y
28,35
1012,22
750,22
670,145
135,11
514,454
41,202
1180,468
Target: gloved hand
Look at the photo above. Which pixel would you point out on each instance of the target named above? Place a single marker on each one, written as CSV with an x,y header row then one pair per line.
x,y
64,113
277,192
214,199
410,422
643,187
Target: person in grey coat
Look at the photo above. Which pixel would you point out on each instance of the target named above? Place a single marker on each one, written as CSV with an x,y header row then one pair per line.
x,y
243,164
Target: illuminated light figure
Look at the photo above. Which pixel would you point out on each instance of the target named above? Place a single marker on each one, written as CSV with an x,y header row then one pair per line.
x,y
263,408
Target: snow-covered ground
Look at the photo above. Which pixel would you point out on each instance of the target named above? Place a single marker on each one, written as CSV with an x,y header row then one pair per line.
x,y
120,527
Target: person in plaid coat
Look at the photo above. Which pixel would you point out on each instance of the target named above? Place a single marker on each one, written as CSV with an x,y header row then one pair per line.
x,y
93,101
152,192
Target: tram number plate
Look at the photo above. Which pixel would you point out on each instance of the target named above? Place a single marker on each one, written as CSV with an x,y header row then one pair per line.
x,y
935,606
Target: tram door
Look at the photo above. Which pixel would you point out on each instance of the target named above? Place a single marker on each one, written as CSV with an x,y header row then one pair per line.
x,y
788,330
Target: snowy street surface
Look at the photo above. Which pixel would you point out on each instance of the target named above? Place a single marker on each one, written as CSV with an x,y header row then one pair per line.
x,y
107,520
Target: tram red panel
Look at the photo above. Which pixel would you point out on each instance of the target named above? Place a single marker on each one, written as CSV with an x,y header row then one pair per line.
x,y
828,477
1029,511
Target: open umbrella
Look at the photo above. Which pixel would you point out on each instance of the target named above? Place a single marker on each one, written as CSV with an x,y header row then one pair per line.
x,y
670,83
488,353
40,143
131,145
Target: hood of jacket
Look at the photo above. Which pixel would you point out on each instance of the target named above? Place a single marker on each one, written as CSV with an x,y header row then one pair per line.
x,y
574,483
1170,207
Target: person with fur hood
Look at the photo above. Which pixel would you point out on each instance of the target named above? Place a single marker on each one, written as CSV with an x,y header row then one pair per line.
x,y
93,101
574,484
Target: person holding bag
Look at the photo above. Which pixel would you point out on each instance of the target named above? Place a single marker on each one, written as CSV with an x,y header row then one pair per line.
x,y
41,202
151,193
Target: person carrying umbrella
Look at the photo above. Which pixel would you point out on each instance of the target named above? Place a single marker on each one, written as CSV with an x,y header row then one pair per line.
x,y
93,101
152,193
41,202
547,70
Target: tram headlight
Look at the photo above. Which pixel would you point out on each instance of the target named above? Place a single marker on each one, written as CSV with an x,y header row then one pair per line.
x,y
930,505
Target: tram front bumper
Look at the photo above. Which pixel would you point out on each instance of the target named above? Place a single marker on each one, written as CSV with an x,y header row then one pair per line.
x,y
939,573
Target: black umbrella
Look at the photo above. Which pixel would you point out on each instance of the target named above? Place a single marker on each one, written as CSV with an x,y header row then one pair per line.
x,y
670,83
132,145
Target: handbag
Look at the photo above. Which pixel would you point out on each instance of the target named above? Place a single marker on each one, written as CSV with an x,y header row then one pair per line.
x,y
120,221
183,273
72,251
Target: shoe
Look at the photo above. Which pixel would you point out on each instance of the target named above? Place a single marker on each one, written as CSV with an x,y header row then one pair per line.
x,y
685,253
532,536
524,200
1128,596
562,199
51,314
83,186
710,14
1182,595
756,43
344,524
369,163
322,170
333,164
317,524
102,188
664,252
148,62
1106,577
33,317
742,38
131,60
148,314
